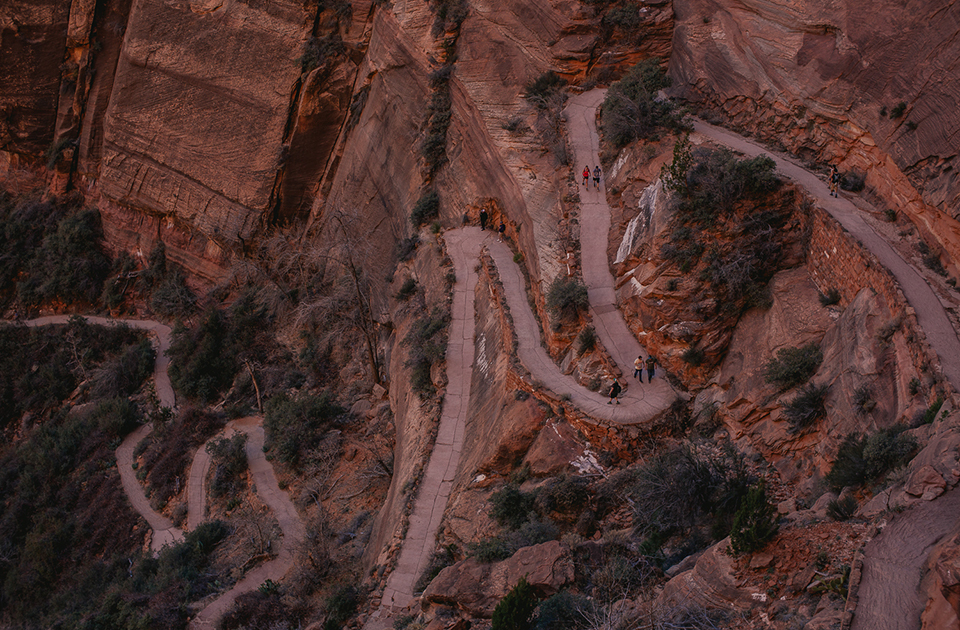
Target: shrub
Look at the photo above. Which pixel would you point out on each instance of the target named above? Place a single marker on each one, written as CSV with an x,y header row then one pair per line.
x,y
863,458
914,386
898,110
172,297
626,17
842,509
931,412
426,209
755,522
515,610
863,399
340,607
317,51
890,215
679,488
587,339
807,407
295,426
631,110
853,181
69,265
831,297
407,290
930,259
123,375
567,298
439,560
406,248
563,611
564,495
544,89
229,457
511,507
793,366
694,356
427,346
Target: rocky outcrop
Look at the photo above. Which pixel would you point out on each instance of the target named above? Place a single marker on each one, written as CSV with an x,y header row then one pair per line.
x,y
816,79
711,583
477,588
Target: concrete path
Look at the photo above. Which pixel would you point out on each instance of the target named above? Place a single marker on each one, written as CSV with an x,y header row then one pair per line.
x,y
164,532
930,312
294,533
463,247
197,486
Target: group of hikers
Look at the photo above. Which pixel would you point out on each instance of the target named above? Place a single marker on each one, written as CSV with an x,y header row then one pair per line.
x,y
650,363
483,224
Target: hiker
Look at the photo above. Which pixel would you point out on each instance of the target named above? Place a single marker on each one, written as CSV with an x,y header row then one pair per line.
x,y
638,368
615,392
483,218
596,177
834,181
651,365
501,230
586,175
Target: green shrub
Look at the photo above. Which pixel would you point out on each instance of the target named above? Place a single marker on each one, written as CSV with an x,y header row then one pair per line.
x,y
626,17
914,386
69,265
426,209
694,356
587,339
564,495
842,509
116,417
863,400
434,145
567,298
294,426
793,366
931,412
426,346
807,407
511,507
863,458
515,610
853,181
755,523
631,111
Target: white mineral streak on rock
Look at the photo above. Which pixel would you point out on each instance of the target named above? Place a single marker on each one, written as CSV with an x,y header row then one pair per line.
x,y
639,224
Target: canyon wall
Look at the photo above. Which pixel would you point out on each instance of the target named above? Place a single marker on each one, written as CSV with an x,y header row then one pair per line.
x,y
868,89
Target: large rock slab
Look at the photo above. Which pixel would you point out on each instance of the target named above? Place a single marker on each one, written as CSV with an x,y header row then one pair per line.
x,y
477,588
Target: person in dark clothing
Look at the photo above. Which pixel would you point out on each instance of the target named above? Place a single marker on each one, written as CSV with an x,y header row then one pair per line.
x,y
596,177
615,390
483,218
834,181
501,230
651,366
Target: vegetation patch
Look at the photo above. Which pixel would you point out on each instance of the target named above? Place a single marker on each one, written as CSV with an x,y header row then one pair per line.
x,y
631,110
864,458
515,610
567,298
807,407
426,347
426,209
171,450
793,366
755,523
295,426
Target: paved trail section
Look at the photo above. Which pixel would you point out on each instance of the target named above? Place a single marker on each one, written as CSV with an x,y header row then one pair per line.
x,y
279,502
164,532
930,312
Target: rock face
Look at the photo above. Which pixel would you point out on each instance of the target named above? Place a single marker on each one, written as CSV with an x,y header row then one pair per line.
x,y
477,588
835,84
710,583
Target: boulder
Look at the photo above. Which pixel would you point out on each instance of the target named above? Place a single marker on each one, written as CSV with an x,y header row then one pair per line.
x,y
711,583
477,588
556,446
925,483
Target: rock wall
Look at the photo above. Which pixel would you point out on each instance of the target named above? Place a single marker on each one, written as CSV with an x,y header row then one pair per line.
x,y
833,83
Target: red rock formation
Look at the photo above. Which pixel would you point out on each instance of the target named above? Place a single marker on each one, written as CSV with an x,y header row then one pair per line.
x,y
827,82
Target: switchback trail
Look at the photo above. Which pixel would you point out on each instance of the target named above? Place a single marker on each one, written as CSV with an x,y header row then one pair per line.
x,y
164,532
